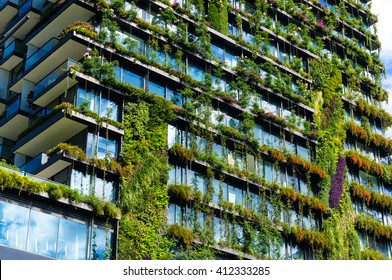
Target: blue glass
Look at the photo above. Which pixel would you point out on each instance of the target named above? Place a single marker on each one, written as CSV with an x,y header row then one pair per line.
x,y
217,150
25,7
72,242
255,202
268,171
13,225
171,214
13,108
100,244
104,188
9,49
108,109
218,52
132,78
43,231
38,4
156,88
230,60
216,187
303,152
196,71
41,52
174,97
54,76
34,164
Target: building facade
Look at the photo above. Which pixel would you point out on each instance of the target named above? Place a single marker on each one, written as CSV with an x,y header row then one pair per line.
x,y
192,129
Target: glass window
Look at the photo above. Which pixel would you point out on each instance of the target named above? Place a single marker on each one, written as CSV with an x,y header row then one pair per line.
x,y
80,182
108,109
363,178
156,88
268,171
218,52
290,147
217,150
43,231
218,232
101,147
131,78
72,243
196,71
303,152
255,202
13,225
174,97
100,244
230,60
104,188
216,187
197,181
235,195
90,99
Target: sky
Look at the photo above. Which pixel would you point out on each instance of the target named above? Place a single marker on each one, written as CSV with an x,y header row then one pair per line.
x,y
383,8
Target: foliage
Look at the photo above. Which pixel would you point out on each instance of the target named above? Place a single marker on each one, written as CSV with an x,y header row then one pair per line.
x,y
14,180
218,15
374,227
183,235
337,183
369,254
370,197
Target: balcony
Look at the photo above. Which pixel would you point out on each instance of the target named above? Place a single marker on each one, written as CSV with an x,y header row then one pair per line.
x,y
14,121
46,167
59,126
71,12
54,84
12,55
8,10
29,14
46,59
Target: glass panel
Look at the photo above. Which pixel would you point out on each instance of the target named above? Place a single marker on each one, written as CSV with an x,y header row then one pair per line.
x,y
13,225
43,232
216,187
72,244
218,52
268,171
132,78
101,240
109,109
156,88
196,71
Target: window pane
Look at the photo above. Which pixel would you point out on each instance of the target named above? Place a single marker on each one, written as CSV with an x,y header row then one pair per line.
x,y
101,240
133,79
72,240
13,225
43,231
196,71
156,88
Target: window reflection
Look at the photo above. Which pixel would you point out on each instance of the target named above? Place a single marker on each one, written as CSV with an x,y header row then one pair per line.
x,y
50,235
72,240
43,231
13,225
100,248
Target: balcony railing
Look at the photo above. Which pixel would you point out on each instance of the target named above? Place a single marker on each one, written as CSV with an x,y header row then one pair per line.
x,y
33,165
13,108
3,3
53,77
41,52
15,46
